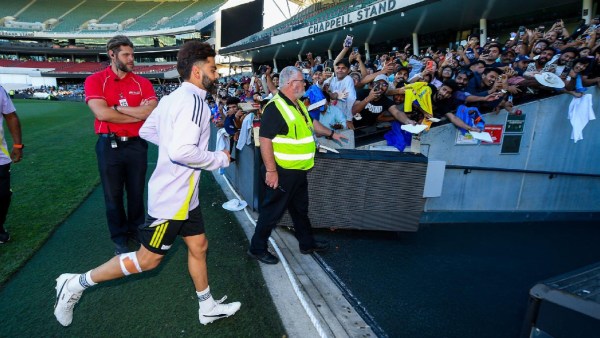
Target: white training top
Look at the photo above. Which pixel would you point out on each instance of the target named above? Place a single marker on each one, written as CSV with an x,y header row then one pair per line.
x,y
180,126
6,107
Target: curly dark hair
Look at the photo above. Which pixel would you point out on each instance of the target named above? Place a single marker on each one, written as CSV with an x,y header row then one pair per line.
x,y
190,53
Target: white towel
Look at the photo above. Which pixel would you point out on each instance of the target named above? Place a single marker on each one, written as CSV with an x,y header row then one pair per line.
x,y
580,113
222,140
245,132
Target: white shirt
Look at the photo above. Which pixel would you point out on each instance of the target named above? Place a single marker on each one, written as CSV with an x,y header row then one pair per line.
x,y
180,126
6,107
344,85
245,132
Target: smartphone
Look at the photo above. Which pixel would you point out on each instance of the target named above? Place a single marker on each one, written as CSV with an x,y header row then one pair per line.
x,y
305,71
510,98
355,49
348,41
430,66
377,87
513,35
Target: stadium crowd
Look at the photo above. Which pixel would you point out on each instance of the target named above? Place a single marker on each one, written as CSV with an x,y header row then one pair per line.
x,y
434,87
456,85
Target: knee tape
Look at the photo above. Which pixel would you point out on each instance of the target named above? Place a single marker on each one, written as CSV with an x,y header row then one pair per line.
x,y
129,263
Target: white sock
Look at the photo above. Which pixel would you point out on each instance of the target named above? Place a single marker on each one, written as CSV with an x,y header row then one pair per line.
x,y
205,300
81,283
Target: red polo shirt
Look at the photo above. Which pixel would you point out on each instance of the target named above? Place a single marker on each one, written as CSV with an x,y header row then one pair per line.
x,y
107,86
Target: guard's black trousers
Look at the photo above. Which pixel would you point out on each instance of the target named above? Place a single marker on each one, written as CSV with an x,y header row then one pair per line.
x,y
292,195
123,169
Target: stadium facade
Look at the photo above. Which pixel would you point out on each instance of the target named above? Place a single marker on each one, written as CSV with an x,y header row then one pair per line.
x,y
75,30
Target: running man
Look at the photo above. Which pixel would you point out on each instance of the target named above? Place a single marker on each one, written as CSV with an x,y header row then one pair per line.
x,y
180,126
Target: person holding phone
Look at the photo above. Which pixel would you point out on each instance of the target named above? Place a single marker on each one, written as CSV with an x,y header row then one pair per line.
x,y
341,86
371,104
488,91
473,49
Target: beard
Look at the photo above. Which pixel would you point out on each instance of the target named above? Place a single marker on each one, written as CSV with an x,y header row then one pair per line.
x,y
209,85
300,93
122,66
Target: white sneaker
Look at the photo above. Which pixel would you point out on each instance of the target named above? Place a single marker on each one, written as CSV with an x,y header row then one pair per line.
x,y
219,311
65,299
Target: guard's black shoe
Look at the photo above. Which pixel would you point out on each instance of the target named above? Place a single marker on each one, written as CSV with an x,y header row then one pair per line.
x,y
319,246
265,257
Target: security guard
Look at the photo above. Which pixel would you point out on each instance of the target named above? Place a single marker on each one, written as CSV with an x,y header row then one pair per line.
x,y
121,101
287,146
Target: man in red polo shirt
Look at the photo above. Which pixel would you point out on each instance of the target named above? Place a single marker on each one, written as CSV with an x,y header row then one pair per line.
x,y
121,101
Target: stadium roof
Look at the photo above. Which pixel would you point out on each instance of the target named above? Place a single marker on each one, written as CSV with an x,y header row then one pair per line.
x,y
305,3
424,17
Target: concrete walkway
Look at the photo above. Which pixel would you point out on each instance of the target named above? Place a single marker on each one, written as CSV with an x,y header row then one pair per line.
x,y
333,316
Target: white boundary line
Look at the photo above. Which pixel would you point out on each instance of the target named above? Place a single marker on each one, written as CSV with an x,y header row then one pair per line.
x,y
316,323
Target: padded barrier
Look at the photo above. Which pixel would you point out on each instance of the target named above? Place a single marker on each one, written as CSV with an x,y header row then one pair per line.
x,y
366,190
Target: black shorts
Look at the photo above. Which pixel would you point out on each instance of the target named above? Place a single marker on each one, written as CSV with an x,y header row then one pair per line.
x,y
158,235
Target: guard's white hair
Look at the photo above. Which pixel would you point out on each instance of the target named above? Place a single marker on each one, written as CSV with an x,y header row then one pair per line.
x,y
287,74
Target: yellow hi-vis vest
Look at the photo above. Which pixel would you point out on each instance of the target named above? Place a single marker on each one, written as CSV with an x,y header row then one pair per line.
x,y
296,150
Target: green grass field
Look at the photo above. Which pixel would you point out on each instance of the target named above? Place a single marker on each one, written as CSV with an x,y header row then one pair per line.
x,y
57,172
57,225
